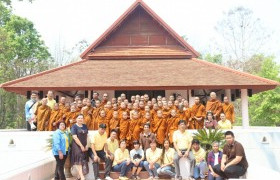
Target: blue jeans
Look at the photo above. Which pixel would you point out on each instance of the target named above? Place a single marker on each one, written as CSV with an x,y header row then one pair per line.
x,y
211,177
199,170
123,168
152,172
141,164
167,170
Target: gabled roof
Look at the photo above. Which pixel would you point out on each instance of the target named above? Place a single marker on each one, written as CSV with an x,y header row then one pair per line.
x,y
124,16
149,74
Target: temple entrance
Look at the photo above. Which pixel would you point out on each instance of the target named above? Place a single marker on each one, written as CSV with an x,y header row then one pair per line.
x,y
152,94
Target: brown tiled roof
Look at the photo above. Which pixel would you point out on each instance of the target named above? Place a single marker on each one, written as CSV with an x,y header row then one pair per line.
x,y
140,74
124,16
140,52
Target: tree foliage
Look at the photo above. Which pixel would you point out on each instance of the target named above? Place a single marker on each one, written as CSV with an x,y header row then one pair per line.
x,y
22,53
264,107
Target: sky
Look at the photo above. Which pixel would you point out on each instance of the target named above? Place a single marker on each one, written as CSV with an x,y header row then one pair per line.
x,y
63,23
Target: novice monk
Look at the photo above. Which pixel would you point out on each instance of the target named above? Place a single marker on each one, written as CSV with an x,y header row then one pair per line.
x,y
115,121
160,127
141,109
109,110
172,125
124,125
134,128
228,109
87,112
55,117
165,110
135,108
187,111
62,103
198,114
71,116
79,106
42,115
95,114
214,105
101,119
122,109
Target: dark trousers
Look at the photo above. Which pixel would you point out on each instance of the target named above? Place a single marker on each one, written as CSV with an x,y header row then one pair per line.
x,y
59,169
108,163
233,171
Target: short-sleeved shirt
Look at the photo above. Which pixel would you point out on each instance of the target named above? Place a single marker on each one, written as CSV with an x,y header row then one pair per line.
x,y
183,140
51,103
134,151
120,155
153,155
224,125
112,145
98,140
81,133
198,155
236,149
168,156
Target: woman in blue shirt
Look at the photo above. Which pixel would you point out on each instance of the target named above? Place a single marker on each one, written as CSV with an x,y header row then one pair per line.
x,y
60,149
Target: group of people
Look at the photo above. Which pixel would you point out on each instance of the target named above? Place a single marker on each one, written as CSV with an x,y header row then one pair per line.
x,y
145,154
129,116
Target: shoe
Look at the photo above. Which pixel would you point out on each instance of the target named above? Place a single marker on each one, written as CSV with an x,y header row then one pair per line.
x,y
156,177
108,178
151,177
137,177
178,178
98,178
133,177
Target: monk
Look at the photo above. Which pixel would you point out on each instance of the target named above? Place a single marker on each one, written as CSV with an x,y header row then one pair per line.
x,y
165,110
62,103
160,105
160,127
228,110
134,109
146,98
95,113
170,105
132,99
154,101
109,110
129,107
114,100
123,97
198,114
122,109
84,102
172,124
65,111
214,105
119,101
141,108
134,128
124,125
101,119
181,113
176,105
146,119
114,123
104,100
172,98
187,110
154,111
149,103
87,112
71,116
42,115
56,115
79,106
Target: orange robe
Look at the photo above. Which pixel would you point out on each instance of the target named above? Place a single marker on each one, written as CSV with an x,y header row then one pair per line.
x,y
43,113
215,106
87,112
181,115
142,112
172,126
134,130
95,114
197,111
78,110
188,114
114,123
124,126
61,107
228,109
71,115
120,112
56,116
109,113
160,129
166,113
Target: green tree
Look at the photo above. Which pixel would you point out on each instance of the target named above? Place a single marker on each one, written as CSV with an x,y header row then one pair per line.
x,y
216,58
22,53
264,107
